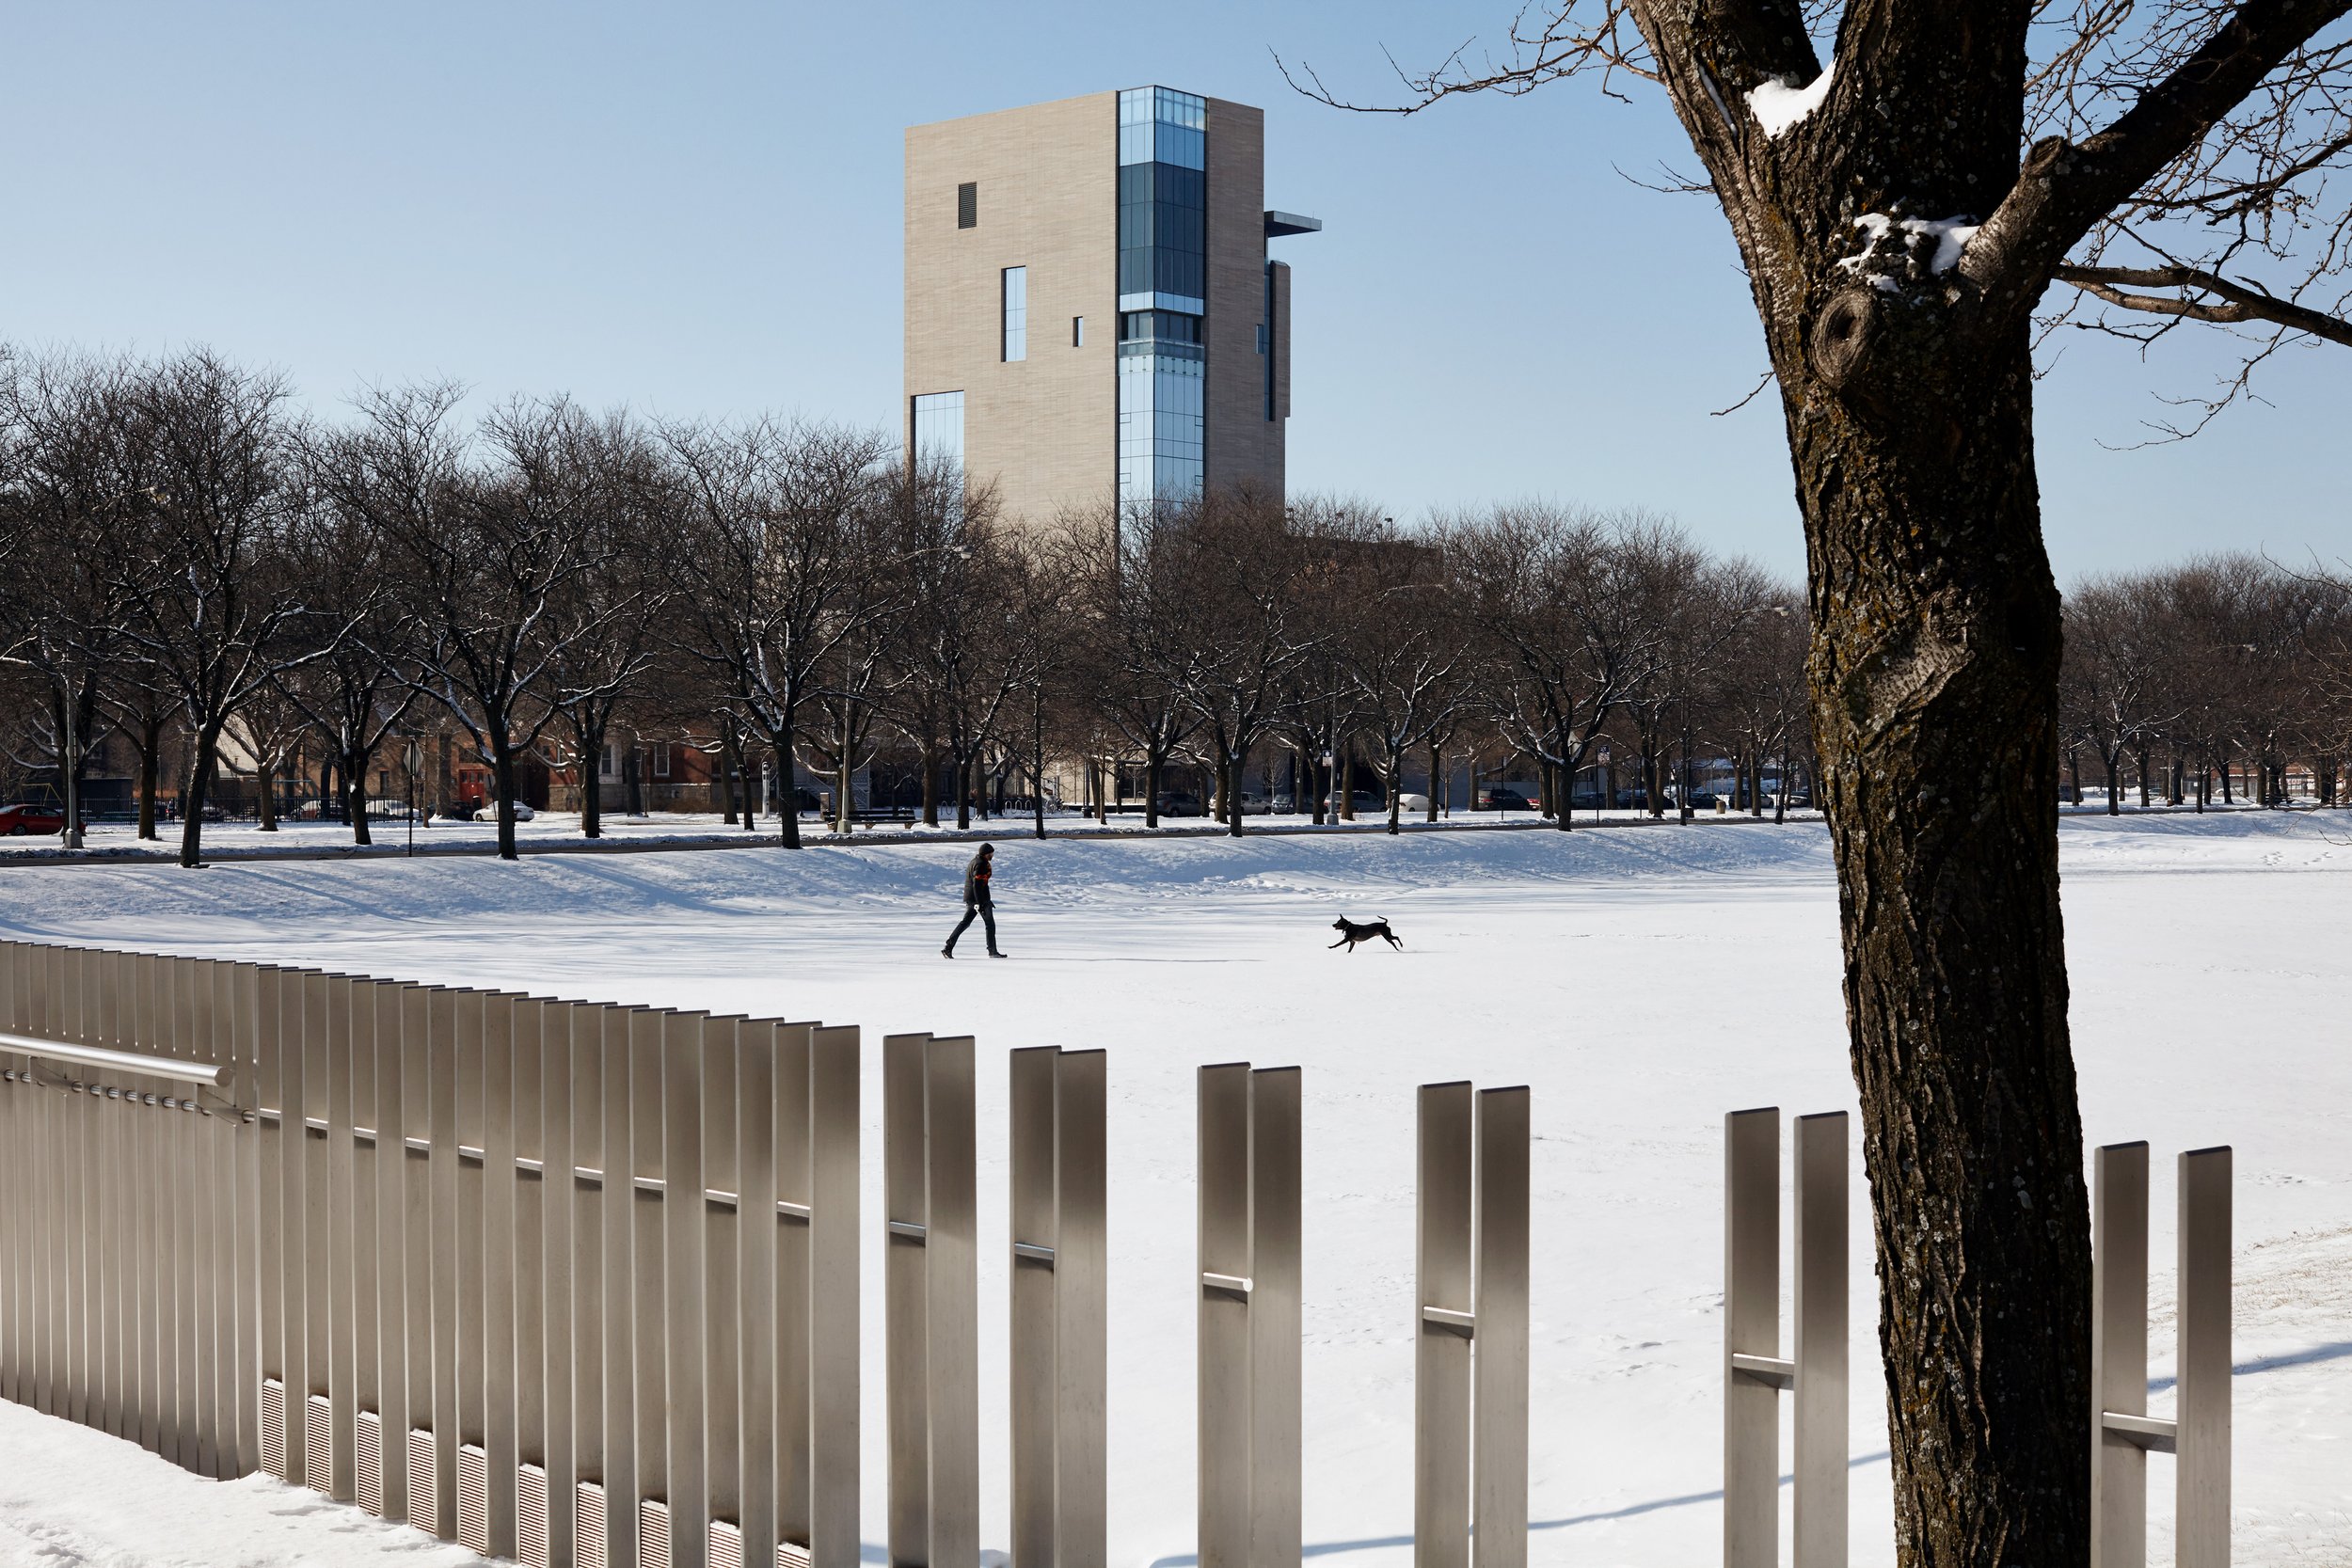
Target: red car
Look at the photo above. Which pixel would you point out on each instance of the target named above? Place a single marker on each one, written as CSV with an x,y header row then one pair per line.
x,y
16,821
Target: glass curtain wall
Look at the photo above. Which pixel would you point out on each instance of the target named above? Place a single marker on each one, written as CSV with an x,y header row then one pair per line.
x,y
1163,294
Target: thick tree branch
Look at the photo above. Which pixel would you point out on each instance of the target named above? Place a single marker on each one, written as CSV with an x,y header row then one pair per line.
x,y
2239,302
2065,188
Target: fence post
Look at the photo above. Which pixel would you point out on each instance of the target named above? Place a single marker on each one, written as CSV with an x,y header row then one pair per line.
x,y
684,1226
1081,1308
2118,1353
725,1220
1754,1374
1442,1328
1249,1316
2121,1431
1821,1343
2202,1477
417,1241
833,1297
1751,1330
1498,1394
931,1311
1056,1317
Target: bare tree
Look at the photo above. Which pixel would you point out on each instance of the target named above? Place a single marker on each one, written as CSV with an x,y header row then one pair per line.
x,y
1405,647
1239,576
69,497
487,532
605,619
1901,212
1569,607
779,526
221,615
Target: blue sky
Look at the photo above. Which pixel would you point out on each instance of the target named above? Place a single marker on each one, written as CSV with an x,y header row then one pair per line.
x,y
695,210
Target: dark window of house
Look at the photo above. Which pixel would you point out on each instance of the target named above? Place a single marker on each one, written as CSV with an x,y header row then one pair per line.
x,y
969,204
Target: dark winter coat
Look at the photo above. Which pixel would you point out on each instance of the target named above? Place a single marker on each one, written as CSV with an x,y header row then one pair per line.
x,y
976,883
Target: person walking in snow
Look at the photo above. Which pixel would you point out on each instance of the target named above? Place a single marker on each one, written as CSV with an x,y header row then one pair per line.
x,y
976,902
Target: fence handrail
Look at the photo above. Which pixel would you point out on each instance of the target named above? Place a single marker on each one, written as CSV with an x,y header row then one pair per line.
x,y
215,1076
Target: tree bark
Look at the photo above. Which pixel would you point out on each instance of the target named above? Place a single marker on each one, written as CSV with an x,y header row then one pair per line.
x,y
202,746
150,750
265,781
1933,679
590,750
502,783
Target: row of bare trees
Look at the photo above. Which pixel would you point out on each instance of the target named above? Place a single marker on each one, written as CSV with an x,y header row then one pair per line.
x,y
204,572
2176,680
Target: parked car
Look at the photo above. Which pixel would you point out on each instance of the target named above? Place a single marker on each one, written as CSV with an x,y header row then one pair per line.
x,y
1409,803
488,812
1177,803
20,821
1364,802
1502,797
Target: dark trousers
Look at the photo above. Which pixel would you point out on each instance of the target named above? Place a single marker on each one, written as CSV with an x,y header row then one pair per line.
x,y
983,911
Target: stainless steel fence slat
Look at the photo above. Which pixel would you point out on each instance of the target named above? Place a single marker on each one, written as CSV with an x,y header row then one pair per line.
x,y
833,1297
1276,1303
14,1134
347,1016
645,1105
762,1447
2201,1482
473,1326
364,1365
1751,1328
395,1333
619,1203
906,1294
952,1290
790,1126
535,1174
1821,1343
1081,1310
561,1261
1441,1371
722,1220
2118,1353
250,1290
685,1228
498,1185
453,1011
1223,1384
1500,1350
1035,1389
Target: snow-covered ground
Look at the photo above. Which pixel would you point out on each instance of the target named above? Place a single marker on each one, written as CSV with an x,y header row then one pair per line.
x,y
1642,982
678,830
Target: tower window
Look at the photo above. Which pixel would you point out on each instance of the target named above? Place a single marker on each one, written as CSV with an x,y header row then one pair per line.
x,y
1016,313
1077,332
969,204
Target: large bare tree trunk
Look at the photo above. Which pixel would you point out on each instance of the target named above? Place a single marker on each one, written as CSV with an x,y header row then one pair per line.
x,y
1935,692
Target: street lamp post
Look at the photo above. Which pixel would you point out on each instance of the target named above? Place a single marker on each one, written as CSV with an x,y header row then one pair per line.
x,y
1603,787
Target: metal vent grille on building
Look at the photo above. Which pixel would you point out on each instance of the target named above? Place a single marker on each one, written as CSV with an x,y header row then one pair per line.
x,y
316,1420
588,1547
653,1533
368,1457
530,1514
273,1427
726,1544
423,1490
473,1499
791,1554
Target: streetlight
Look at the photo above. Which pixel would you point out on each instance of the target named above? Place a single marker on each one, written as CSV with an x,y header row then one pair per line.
x,y
412,757
1604,792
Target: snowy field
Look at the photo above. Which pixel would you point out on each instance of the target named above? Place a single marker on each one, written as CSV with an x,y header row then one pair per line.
x,y
1642,982
550,830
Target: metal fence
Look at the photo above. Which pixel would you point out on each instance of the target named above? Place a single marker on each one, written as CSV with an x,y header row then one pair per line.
x,y
579,1284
